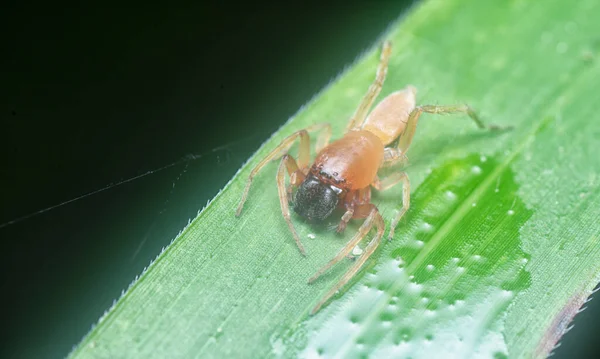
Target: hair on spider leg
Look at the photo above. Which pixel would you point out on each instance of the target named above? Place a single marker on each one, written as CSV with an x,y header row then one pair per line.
x,y
332,227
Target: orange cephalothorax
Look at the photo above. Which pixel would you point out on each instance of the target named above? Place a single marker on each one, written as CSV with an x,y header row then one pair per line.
x,y
351,162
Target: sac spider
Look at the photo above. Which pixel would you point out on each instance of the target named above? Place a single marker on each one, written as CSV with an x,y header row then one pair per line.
x,y
344,171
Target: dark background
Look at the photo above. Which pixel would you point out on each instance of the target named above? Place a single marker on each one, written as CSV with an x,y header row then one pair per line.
x,y
150,110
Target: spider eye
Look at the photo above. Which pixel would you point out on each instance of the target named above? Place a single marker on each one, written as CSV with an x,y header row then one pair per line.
x,y
315,200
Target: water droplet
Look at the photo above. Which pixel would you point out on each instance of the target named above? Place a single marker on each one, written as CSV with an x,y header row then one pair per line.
x,y
510,212
357,251
415,288
562,47
546,37
450,195
311,236
477,257
476,170
429,313
460,269
426,226
473,204
405,334
455,259
483,158
570,27
430,267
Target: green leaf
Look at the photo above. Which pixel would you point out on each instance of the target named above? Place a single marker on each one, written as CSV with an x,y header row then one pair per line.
x,y
499,249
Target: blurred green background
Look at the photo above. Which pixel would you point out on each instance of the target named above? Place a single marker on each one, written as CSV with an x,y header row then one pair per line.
x,y
160,106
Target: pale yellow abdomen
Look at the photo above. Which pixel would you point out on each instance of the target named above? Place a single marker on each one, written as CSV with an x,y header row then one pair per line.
x,y
388,119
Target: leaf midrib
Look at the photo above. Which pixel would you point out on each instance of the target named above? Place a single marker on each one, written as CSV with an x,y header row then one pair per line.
x,y
448,225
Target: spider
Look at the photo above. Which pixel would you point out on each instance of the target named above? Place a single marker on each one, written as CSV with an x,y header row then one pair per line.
x,y
344,171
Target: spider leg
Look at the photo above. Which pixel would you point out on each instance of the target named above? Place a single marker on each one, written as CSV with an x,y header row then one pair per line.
x,y
345,219
392,157
413,118
373,91
282,148
389,182
296,177
373,219
355,202
324,136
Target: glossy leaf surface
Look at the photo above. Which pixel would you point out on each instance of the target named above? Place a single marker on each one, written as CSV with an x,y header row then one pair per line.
x,y
499,249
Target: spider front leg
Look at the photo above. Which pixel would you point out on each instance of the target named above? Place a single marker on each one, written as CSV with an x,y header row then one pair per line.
x,y
355,202
389,182
373,219
296,178
283,147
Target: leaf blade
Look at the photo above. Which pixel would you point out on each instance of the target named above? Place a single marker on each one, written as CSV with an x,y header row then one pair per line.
x,y
219,282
